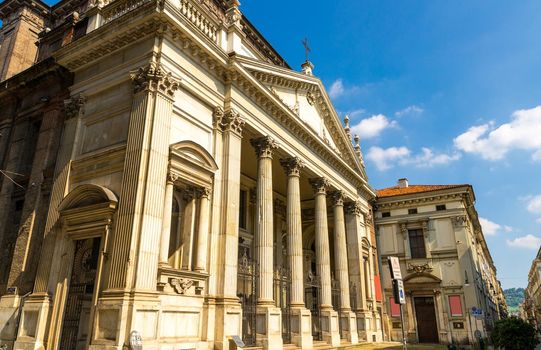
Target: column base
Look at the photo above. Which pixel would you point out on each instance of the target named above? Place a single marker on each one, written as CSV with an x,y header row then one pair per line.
x,y
329,327
9,318
269,327
228,313
301,327
34,323
348,320
364,326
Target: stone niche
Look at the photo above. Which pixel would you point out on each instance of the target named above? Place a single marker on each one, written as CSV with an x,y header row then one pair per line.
x,y
30,321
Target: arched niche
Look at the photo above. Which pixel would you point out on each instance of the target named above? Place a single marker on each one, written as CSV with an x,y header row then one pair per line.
x,y
193,163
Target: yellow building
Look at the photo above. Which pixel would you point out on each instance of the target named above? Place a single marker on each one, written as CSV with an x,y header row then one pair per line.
x,y
452,293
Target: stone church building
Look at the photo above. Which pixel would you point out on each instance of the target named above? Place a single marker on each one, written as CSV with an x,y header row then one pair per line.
x,y
168,179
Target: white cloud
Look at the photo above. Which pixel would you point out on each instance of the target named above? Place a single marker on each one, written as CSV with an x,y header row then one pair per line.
x,y
373,126
489,228
384,158
534,204
413,109
387,158
493,143
336,89
527,242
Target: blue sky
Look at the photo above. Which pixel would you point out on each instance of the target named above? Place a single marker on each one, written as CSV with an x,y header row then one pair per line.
x,y
441,92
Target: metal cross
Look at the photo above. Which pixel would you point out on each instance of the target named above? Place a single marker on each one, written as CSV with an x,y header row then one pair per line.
x,y
307,48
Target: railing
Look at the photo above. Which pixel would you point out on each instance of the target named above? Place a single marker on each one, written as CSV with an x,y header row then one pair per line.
x,y
192,13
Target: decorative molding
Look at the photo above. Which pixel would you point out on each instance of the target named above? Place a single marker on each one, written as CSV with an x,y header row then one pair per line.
x,y
459,221
417,201
319,185
154,78
310,98
264,146
182,285
419,268
73,105
292,166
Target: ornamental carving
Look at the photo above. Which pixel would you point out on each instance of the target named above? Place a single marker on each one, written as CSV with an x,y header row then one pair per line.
x,y
202,192
232,121
181,285
418,268
311,98
292,166
172,177
218,116
320,185
73,105
337,198
458,221
354,208
264,146
233,15
404,230
154,78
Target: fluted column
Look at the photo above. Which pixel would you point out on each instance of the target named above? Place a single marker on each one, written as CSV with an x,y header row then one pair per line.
x,y
166,222
264,237
323,260
292,167
340,250
329,317
203,228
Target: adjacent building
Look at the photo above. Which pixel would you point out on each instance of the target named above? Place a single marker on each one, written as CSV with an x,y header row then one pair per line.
x,y
452,293
179,184
531,306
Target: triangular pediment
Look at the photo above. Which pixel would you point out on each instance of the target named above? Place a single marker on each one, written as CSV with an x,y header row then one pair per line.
x,y
306,97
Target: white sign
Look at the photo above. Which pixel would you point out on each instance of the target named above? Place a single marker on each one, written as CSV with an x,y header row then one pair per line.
x,y
394,266
399,292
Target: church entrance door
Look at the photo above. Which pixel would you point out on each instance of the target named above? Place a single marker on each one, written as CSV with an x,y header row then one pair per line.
x,y
75,325
427,327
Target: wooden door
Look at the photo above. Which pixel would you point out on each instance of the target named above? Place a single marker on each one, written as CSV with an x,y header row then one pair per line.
x,y
427,327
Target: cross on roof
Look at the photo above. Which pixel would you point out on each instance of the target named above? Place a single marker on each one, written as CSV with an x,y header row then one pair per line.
x,y
307,48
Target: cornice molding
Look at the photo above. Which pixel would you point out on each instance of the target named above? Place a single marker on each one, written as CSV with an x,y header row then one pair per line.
x,y
388,204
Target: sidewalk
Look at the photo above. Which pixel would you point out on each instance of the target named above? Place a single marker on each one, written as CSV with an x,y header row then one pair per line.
x,y
398,346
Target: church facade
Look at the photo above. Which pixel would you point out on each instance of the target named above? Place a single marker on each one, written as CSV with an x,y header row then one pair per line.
x,y
201,190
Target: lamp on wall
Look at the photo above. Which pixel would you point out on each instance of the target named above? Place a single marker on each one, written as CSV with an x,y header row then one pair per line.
x,y
466,281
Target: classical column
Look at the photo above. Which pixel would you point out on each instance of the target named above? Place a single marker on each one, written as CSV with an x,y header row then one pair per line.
x,y
268,316
203,228
349,324
166,222
329,319
302,331
228,128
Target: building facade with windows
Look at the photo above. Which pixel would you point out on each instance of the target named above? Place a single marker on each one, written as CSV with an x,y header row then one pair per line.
x,y
201,189
452,294
531,306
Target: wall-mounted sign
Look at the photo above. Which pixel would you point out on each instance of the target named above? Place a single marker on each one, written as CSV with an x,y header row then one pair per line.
x,y
398,292
458,325
394,267
136,341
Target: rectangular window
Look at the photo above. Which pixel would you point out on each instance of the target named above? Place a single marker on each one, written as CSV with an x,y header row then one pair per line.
x,y
395,308
242,209
386,214
417,243
440,207
455,305
412,211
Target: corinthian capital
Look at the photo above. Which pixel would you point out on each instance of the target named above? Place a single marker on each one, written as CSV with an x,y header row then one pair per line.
x,y
264,146
292,166
337,198
354,208
230,121
73,105
153,77
320,185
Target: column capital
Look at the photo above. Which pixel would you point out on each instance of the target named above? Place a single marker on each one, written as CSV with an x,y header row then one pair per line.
x,y
229,120
264,146
354,208
73,105
172,177
320,185
188,193
154,78
337,198
292,166
202,192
